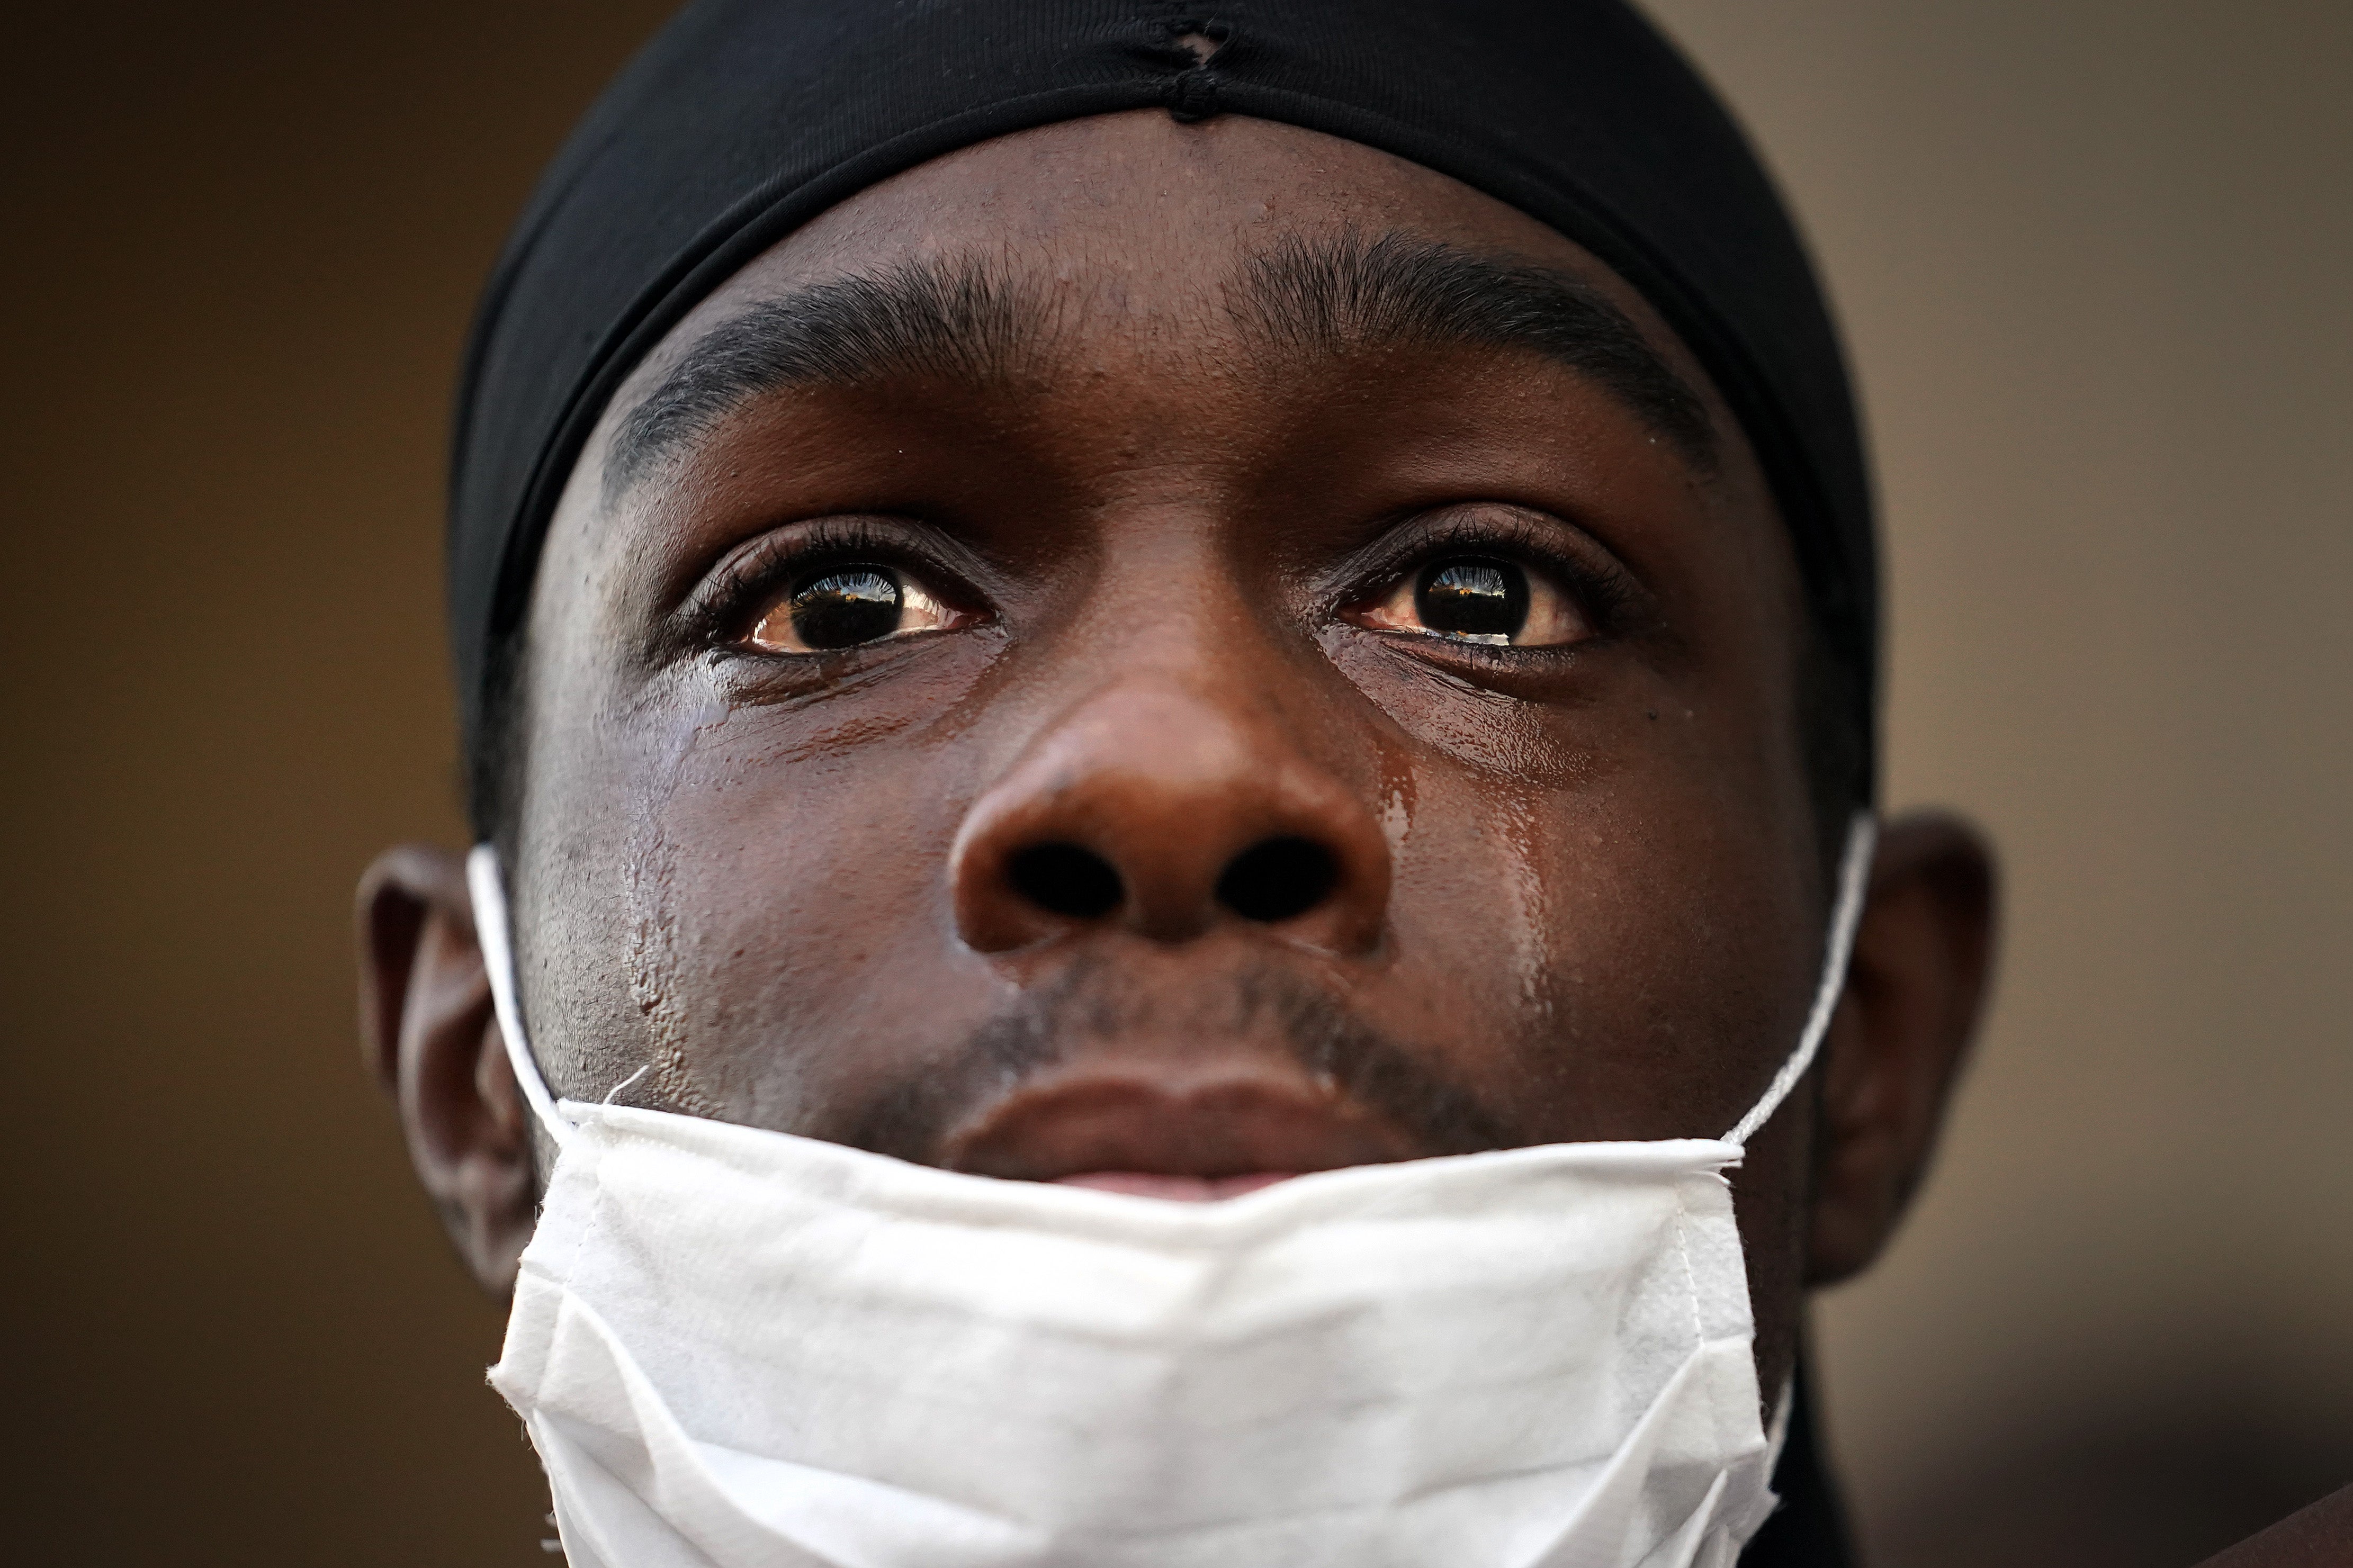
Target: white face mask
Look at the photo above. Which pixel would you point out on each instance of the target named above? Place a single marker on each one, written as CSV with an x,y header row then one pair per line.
x,y
739,1349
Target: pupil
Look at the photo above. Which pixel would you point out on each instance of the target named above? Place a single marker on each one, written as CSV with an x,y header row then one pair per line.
x,y
842,609
1478,601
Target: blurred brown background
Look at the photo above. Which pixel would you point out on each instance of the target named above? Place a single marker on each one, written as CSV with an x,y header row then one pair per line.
x,y
2096,261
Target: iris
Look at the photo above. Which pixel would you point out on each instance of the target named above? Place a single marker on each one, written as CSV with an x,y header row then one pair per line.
x,y
1478,601
845,607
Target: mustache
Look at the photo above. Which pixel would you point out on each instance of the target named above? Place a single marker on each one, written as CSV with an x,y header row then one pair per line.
x,y
1093,1003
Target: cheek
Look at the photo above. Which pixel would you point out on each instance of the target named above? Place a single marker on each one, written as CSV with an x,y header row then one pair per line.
x,y
757,879
1629,927
799,888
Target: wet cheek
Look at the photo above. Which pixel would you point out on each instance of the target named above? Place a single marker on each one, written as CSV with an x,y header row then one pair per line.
x,y
1549,746
1576,930
1468,920
787,890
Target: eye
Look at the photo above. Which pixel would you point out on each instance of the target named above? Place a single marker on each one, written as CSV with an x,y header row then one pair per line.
x,y
1479,599
847,607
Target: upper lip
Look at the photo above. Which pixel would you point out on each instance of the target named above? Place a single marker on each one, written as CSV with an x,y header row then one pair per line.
x,y
1231,1123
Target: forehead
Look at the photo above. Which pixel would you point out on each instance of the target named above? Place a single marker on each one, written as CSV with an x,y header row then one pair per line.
x,y
1133,225
1136,361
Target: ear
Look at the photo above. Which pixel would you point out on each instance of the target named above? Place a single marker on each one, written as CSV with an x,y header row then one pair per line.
x,y
429,1035
1915,991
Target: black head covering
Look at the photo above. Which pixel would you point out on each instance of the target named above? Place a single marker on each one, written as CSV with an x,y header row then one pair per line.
x,y
745,118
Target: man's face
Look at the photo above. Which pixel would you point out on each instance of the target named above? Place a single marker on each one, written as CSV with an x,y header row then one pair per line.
x,y
1172,656
1042,752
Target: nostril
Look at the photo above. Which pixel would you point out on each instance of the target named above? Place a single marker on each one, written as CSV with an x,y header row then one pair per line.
x,y
1278,879
1066,879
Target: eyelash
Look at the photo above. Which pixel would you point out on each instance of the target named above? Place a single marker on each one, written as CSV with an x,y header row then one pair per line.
x,y
1604,590
718,614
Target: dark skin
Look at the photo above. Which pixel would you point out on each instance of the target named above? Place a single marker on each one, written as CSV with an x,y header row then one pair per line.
x,y
1159,591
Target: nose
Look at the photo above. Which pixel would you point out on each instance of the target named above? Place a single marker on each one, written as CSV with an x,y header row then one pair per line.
x,y
1170,814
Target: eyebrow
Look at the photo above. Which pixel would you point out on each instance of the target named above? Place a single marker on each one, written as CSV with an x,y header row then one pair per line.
x,y
954,318
966,320
1341,293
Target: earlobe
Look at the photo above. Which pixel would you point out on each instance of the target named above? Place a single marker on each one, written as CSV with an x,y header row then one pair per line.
x,y
1916,991
429,1035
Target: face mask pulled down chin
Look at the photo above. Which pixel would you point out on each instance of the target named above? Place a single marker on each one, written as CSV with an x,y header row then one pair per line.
x,y
736,1348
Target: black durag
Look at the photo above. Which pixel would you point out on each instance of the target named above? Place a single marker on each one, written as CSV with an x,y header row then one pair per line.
x,y
745,118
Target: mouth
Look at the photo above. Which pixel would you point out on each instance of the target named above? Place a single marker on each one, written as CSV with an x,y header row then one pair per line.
x,y
1195,1141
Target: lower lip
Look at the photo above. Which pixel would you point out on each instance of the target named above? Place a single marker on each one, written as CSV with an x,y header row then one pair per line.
x,y
1176,1189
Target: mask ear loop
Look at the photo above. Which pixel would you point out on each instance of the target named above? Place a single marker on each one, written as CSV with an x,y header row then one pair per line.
x,y
485,881
1855,881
